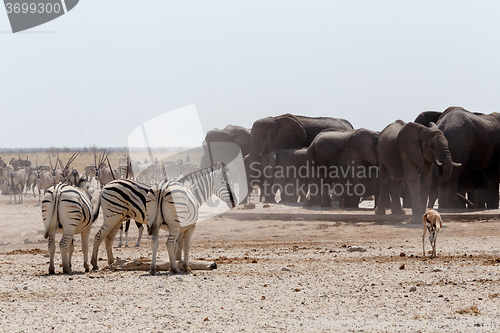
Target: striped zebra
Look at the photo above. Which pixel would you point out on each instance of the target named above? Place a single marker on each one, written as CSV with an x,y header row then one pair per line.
x,y
174,206
121,199
68,210
189,167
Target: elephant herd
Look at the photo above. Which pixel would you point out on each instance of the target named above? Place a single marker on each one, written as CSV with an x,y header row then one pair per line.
x,y
452,156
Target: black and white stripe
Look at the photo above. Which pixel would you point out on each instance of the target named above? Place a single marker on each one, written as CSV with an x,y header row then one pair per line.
x,y
121,199
189,167
174,206
68,210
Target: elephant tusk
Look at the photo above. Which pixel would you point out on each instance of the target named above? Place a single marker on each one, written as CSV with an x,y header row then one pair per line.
x,y
438,163
456,164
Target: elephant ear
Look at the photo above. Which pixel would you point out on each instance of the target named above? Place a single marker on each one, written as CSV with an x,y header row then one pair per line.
x,y
410,143
291,133
364,143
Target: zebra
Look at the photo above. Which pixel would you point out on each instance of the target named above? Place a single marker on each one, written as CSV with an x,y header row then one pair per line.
x,y
189,167
68,210
174,206
127,226
121,199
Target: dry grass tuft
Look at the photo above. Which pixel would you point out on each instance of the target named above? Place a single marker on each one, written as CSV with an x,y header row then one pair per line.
x,y
473,309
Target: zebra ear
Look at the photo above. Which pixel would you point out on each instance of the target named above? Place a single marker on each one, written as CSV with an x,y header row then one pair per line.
x,y
219,166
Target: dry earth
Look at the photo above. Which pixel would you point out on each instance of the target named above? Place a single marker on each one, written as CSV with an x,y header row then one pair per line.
x,y
276,276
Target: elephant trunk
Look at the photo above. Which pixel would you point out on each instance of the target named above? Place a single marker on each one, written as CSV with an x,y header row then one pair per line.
x,y
445,165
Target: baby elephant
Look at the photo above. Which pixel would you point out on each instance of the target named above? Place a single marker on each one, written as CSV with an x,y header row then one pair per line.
x,y
432,222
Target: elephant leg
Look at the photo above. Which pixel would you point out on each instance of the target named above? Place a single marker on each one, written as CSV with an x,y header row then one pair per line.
x,y
492,192
433,192
425,187
448,197
395,188
288,192
385,183
405,194
266,191
412,180
313,197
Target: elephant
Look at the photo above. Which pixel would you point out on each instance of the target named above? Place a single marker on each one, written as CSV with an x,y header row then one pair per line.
x,y
427,117
473,186
345,163
231,134
281,171
474,140
406,153
288,132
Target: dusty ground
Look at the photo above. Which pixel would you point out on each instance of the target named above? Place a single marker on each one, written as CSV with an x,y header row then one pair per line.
x,y
275,276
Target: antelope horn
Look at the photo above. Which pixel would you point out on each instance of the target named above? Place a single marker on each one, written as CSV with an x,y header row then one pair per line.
x,y
103,157
456,164
110,169
127,165
71,159
438,162
95,160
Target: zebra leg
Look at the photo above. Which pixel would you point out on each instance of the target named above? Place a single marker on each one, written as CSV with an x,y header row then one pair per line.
x,y
127,226
109,243
85,249
187,245
64,245
154,247
108,225
141,229
121,232
178,246
71,249
173,234
52,251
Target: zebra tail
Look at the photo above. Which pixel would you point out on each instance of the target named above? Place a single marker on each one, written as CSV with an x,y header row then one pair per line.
x,y
52,215
95,213
155,226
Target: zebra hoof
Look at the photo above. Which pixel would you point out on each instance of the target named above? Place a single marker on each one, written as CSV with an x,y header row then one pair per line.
x,y
136,245
213,266
52,271
95,268
175,270
152,272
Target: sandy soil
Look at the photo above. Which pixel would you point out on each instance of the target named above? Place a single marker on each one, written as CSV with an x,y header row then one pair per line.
x,y
272,275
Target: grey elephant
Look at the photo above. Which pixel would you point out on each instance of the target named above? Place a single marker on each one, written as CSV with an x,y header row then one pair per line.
x,y
472,185
406,153
345,163
281,172
288,132
230,134
474,140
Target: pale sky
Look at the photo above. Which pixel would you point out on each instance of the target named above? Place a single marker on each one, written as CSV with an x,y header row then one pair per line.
x,y
95,74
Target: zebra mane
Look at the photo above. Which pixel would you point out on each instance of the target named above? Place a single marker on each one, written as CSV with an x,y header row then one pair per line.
x,y
195,181
196,175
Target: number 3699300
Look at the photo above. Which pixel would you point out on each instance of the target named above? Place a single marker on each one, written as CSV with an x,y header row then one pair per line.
x,y
32,8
